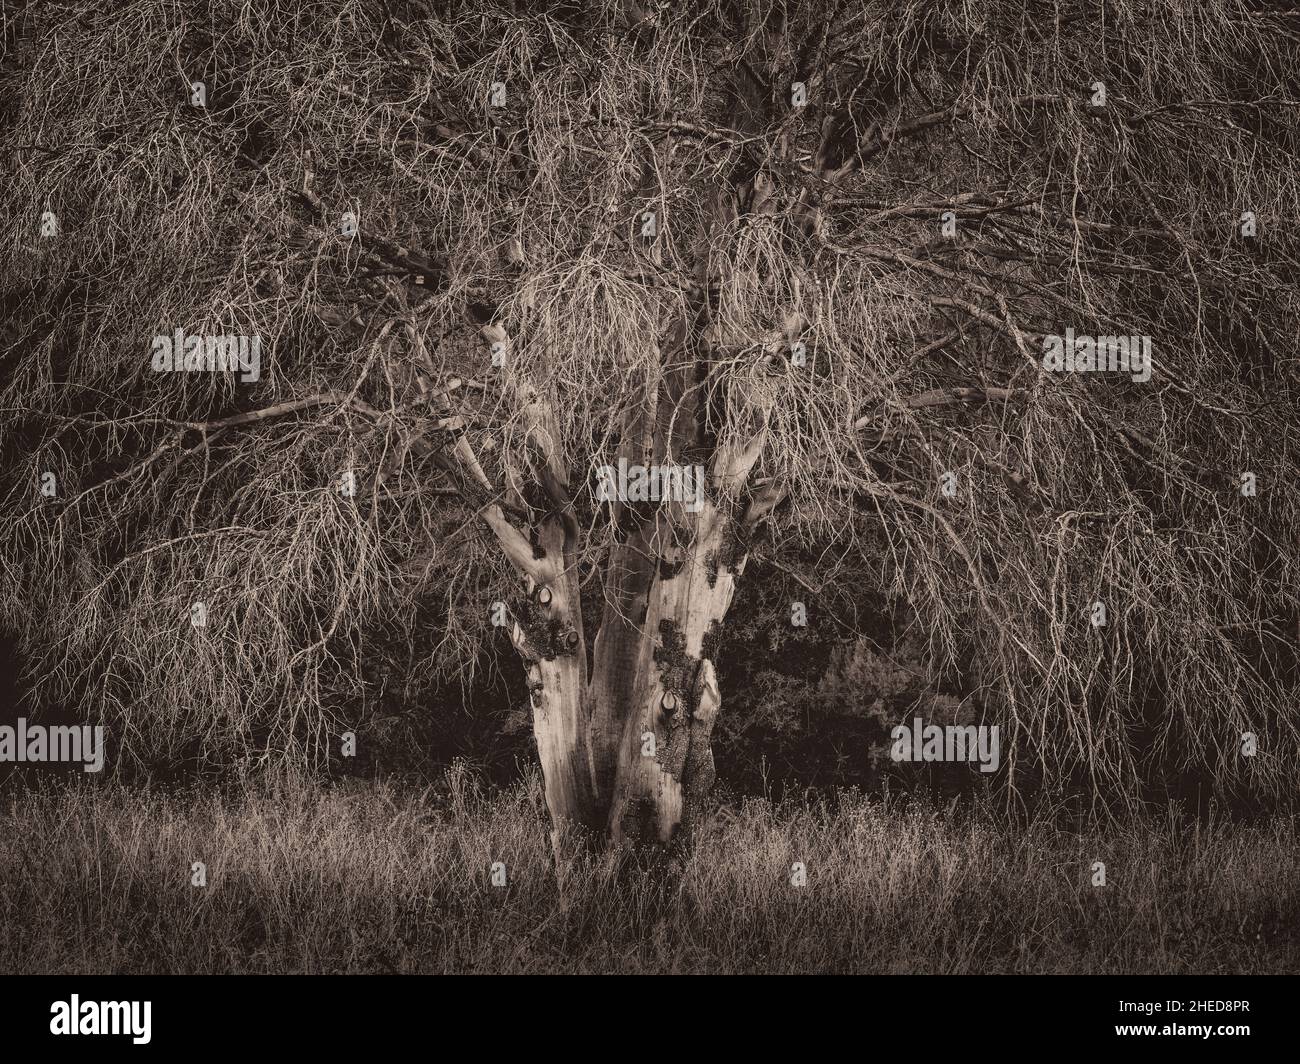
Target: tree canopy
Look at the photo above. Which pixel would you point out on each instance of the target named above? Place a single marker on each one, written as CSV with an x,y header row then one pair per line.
x,y
482,245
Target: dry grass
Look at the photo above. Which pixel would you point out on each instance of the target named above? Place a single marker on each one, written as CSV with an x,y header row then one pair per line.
x,y
309,880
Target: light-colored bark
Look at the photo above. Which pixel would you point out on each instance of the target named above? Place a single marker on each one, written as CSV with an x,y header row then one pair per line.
x,y
674,696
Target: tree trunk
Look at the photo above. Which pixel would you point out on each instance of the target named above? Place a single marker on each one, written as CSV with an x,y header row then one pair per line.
x,y
626,751
624,740
665,762
547,634
627,755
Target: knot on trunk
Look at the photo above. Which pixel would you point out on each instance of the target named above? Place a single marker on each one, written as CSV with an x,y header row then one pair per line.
x,y
545,634
669,704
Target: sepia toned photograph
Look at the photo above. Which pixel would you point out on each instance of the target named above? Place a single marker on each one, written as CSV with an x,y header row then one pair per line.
x,y
610,487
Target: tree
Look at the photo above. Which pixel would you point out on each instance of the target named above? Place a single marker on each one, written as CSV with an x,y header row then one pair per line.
x,y
518,272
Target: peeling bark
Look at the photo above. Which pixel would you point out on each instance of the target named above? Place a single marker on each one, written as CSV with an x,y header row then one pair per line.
x,y
674,695
548,635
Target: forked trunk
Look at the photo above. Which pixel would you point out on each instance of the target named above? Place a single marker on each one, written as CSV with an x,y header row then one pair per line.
x,y
626,754
624,740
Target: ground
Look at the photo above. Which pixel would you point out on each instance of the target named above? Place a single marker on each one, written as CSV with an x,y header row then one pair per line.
x,y
378,878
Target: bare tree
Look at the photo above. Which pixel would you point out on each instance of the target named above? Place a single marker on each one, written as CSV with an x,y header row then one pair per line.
x,y
495,252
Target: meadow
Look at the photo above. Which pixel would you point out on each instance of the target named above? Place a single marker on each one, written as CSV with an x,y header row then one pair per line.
x,y
376,877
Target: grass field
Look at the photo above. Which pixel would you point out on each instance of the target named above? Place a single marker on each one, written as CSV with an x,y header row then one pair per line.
x,y
378,879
